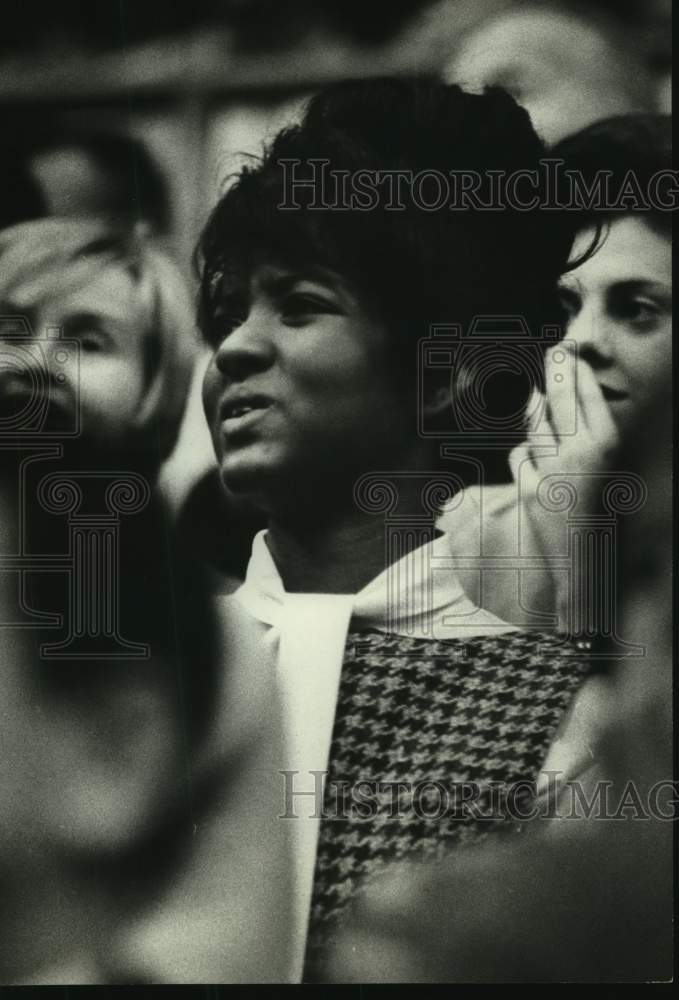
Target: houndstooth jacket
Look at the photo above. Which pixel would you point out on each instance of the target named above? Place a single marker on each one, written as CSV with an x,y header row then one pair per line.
x,y
432,742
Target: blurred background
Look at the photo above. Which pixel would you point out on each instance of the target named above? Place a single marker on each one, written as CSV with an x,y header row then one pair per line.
x,y
197,83
144,108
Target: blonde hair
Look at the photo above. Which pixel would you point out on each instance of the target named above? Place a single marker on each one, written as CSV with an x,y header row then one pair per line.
x,y
50,257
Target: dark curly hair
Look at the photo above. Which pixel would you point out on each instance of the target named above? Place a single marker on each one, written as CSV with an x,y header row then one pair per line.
x,y
415,267
636,144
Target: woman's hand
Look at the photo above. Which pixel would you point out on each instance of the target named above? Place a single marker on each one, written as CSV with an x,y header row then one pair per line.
x,y
559,470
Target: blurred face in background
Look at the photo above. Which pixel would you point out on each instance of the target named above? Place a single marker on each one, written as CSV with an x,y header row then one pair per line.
x,y
71,182
98,306
564,71
618,307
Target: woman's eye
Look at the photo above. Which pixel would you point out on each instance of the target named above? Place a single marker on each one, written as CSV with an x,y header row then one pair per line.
x,y
641,312
92,342
299,306
568,305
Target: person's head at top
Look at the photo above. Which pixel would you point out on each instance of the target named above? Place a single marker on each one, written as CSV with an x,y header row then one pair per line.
x,y
116,387
90,173
618,301
314,315
568,68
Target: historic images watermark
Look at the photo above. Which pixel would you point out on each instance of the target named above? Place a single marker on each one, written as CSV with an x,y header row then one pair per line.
x,y
550,187
501,356
40,414
39,384
441,800
492,355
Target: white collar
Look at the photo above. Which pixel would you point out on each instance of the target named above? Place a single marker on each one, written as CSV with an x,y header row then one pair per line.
x,y
418,595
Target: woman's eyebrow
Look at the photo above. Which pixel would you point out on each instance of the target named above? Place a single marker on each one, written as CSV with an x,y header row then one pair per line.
x,y
80,322
637,286
281,284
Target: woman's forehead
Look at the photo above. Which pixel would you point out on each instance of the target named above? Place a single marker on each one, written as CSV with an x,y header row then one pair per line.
x,y
90,285
630,250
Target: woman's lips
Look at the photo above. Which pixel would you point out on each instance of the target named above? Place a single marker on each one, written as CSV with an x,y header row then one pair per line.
x,y
240,418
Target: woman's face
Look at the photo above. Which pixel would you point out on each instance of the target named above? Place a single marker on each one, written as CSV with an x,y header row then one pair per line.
x,y
619,312
299,396
103,386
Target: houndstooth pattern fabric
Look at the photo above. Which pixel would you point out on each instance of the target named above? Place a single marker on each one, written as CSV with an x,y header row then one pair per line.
x,y
412,711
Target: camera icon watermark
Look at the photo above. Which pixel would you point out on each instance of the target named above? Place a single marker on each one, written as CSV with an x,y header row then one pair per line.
x,y
39,383
490,372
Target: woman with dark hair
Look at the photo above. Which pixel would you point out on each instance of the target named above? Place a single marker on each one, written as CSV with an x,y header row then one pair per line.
x,y
616,297
355,657
617,305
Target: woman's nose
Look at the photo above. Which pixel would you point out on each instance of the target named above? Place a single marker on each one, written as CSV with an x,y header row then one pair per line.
x,y
590,330
248,348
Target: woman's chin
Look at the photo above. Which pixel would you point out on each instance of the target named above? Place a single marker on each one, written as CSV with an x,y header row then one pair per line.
x,y
624,412
271,485
249,476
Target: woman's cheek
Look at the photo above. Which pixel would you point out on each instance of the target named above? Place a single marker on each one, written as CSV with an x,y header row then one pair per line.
x,y
210,394
110,389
